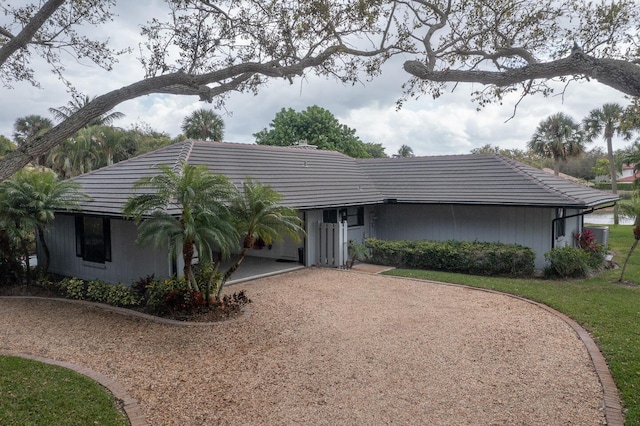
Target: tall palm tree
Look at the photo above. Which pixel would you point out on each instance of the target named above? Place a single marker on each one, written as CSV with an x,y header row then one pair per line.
x,y
557,137
202,222
631,209
405,151
27,128
78,102
203,124
608,121
258,215
36,194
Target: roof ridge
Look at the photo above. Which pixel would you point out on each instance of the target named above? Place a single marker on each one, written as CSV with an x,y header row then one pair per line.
x,y
254,145
517,167
183,155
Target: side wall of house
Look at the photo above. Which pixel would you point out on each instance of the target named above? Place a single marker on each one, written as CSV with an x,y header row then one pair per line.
x,y
529,227
127,258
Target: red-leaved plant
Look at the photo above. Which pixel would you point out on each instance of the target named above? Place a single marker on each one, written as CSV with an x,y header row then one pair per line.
x,y
587,242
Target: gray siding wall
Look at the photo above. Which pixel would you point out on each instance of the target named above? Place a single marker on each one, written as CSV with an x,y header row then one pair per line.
x,y
129,261
529,227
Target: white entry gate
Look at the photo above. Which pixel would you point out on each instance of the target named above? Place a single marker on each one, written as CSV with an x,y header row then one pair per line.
x,y
332,244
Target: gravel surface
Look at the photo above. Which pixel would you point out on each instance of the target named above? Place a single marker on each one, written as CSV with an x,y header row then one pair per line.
x,y
328,347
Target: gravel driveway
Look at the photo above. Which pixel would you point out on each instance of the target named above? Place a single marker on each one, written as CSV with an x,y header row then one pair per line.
x,y
329,347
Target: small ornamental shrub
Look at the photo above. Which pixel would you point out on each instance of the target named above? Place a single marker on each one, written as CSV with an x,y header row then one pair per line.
x,y
140,288
568,262
586,241
471,257
157,291
121,295
356,251
230,304
97,291
183,302
74,288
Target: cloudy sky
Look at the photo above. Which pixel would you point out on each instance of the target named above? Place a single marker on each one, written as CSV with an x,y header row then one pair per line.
x,y
448,125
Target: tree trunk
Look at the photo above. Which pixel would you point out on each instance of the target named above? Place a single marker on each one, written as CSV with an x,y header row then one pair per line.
x,y
633,247
614,177
556,166
233,268
176,83
45,249
25,252
187,257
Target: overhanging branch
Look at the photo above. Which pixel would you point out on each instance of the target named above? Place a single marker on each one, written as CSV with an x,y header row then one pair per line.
x,y
620,75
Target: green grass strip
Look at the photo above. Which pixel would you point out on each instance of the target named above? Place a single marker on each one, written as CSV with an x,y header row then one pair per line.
x,y
35,393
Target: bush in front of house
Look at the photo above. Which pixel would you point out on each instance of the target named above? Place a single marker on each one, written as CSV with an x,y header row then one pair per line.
x,y
567,262
471,257
168,298
95,291
576,262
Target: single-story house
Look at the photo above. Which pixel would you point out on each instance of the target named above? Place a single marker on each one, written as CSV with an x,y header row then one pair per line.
x,y
483,197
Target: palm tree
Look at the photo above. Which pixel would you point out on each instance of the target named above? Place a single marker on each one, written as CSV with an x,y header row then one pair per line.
x,y
15,234
203,124
202,222
631,209
258,215
608,121
79,102
405,151
27,128
557,137
36,195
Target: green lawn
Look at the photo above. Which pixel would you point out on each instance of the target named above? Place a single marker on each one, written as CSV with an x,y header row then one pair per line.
x,y
608,309
35,393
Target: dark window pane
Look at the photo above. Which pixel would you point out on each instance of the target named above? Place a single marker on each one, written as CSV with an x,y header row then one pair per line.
x,y
330,216
94,247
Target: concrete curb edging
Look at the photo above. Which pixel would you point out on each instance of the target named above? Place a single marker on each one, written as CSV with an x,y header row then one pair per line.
x,y
135,314
611,399
129,405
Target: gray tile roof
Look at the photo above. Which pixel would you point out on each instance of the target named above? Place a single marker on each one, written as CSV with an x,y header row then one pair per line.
x,y
476,179
317,179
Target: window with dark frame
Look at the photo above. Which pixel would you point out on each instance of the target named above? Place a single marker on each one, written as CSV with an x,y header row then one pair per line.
x,y
353,215
93,239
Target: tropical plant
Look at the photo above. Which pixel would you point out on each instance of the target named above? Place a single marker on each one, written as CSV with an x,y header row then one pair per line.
x,y
33,196
609,120
405,151
30,127
258,216
76,104
15,236
557,137
203,124
185,208
631,209
356,251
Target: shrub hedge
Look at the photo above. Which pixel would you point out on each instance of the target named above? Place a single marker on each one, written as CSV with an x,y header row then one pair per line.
x,y
475,257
